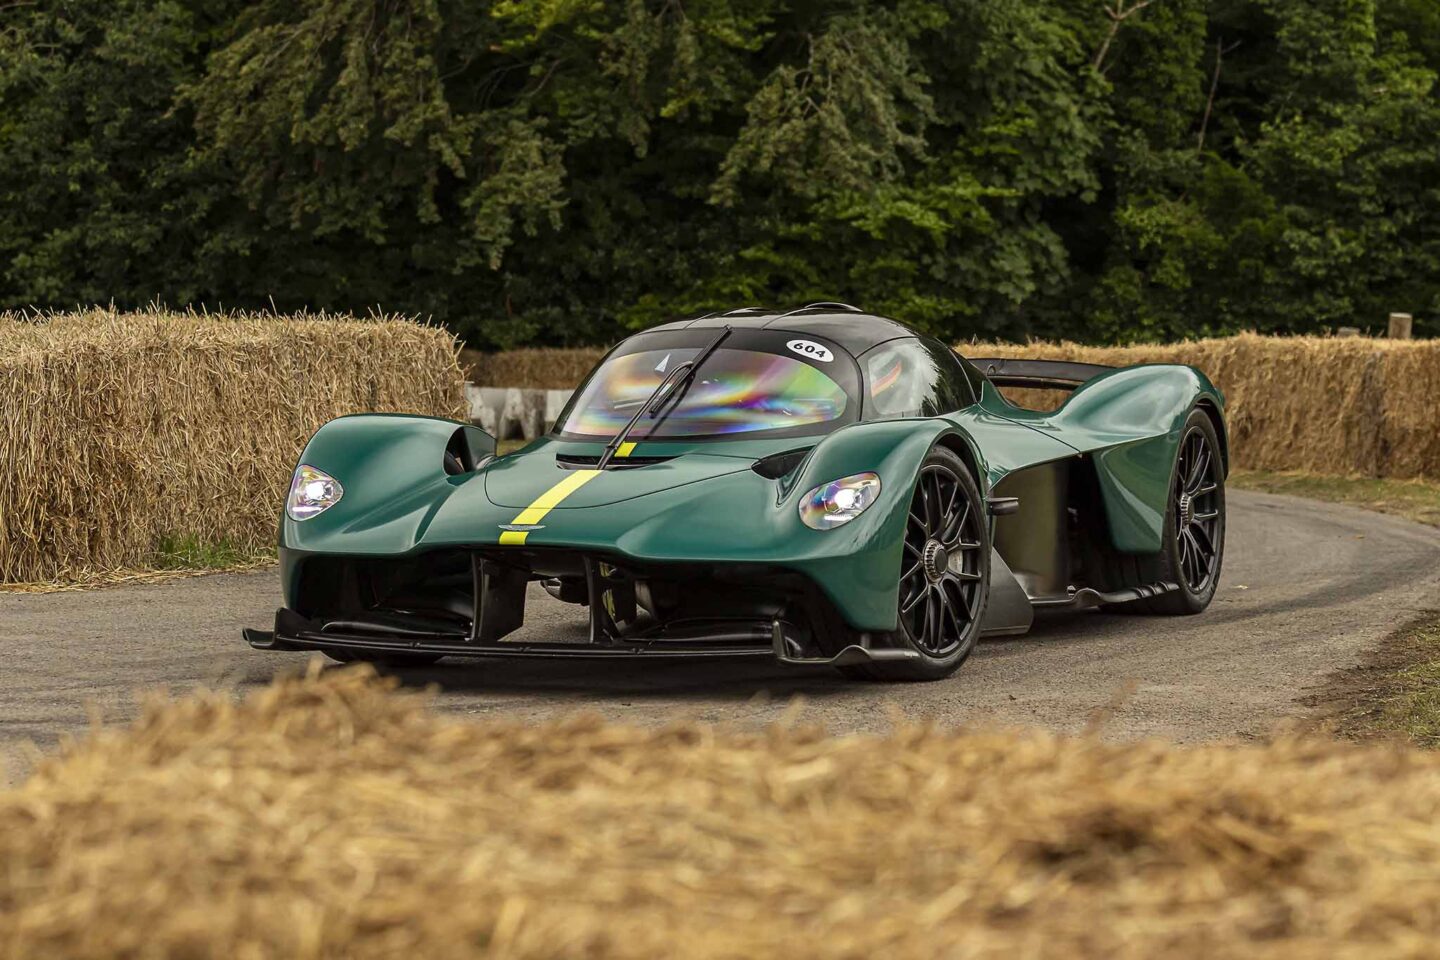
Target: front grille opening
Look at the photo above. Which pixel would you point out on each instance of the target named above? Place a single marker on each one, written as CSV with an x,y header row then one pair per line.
x,y
478,599
697,605
432,595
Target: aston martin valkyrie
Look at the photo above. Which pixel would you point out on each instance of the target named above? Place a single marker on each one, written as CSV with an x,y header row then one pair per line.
x,y
817,486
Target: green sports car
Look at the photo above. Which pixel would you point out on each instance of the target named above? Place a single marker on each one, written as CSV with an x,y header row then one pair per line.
x,y
818,486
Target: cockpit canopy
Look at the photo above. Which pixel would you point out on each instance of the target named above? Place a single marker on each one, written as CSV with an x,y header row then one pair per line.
x,y
807,379
759,382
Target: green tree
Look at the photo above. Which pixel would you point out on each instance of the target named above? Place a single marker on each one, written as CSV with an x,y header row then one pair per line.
x,y
97,199
559,171
1311,203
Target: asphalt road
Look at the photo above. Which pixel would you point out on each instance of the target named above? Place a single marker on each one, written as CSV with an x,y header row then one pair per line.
x,y
1307,588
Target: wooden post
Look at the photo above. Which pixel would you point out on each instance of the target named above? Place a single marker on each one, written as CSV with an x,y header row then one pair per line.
x,y
1401,326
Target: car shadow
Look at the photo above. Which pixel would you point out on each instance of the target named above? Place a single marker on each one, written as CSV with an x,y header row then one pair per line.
x,y
596,681
1061,627
589,682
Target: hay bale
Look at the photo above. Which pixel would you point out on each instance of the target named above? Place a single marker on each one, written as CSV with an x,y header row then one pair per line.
x,y
119,430
331,817
1410,385
546,369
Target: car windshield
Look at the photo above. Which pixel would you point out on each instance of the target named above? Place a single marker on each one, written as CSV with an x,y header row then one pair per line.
x,y
746,386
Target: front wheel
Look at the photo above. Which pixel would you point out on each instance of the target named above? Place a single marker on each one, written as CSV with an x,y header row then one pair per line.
x,y
944,576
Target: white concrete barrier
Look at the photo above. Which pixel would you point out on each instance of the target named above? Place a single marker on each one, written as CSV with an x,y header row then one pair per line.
x,y
514,413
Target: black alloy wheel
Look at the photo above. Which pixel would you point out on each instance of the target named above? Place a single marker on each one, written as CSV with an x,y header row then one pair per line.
x,y
944,573
1197,502
941,580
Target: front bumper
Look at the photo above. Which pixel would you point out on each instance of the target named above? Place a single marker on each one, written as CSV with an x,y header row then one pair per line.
x,y
772,616
294,633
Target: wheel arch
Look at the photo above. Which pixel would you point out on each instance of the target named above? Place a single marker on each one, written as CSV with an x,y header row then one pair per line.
x,y
381,461
896,450
963,447
1206,405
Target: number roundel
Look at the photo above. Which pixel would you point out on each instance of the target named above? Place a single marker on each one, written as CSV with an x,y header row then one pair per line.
x,y
811,350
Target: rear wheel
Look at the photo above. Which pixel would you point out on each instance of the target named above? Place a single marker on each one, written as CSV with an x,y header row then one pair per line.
x,y
1193,544
944,574
400,660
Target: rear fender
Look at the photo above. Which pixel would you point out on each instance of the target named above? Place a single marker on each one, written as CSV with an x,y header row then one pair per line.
x,y
1131,421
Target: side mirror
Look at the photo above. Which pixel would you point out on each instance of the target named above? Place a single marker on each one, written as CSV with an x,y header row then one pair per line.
x,y
481,444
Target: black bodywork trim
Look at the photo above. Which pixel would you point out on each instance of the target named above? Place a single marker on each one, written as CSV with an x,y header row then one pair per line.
x,y
856,331
1008,610
577,461
293,633
1087,597
1054,374
855,653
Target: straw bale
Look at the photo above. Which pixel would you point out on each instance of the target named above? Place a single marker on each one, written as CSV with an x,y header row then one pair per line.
x,y
540,368
118,430
332,817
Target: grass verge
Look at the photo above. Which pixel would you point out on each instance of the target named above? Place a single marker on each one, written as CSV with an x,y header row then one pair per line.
x,y
1412,499
190,552
1409,703
176,558
333,816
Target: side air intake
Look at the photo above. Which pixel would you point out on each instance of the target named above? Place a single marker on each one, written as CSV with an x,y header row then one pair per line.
x,y
468,449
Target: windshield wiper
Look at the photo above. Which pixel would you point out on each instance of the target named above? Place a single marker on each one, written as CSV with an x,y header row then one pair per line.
x,y
678,381
672,400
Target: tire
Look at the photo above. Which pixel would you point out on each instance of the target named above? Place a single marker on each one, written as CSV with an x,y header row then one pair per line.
x,y
1193,541
944,575
394,660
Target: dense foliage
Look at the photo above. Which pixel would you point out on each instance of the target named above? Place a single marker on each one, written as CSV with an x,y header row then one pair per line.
x,y
557,170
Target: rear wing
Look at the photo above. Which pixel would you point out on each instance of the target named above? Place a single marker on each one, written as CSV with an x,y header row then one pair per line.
x,y
1052,374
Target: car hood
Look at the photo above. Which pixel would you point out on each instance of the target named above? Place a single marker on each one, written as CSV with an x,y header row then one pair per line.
x,y
519,480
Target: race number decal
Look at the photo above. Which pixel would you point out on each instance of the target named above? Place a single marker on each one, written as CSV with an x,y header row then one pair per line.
x,y
811,350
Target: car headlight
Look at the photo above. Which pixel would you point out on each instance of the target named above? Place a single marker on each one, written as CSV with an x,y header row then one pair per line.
x,y
312,492
839,501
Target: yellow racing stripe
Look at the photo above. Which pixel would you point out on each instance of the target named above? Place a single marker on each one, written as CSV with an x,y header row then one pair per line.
x,y
546,502
625,449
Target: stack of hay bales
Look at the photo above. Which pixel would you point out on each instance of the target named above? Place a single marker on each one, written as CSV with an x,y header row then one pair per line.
x,y
119,430
333,817
532,368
